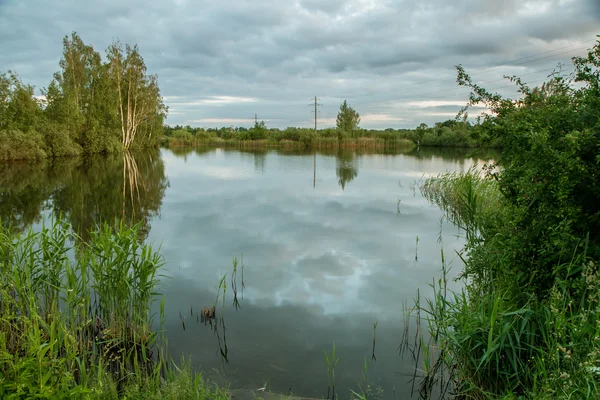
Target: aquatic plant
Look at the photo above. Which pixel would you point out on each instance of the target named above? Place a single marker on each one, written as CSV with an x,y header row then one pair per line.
x,y
75,317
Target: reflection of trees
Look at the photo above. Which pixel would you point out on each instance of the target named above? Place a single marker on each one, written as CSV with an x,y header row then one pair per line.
x,y
123,187
185,151
25,189
181,151
346,167
458,154
85,191
259,161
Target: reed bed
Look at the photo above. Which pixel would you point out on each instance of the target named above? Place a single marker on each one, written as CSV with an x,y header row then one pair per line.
x,y
75,317
494,338
317,143
468,200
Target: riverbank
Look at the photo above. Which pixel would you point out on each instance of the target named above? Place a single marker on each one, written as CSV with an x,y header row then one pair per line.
x,y
444,134
526,324
36,145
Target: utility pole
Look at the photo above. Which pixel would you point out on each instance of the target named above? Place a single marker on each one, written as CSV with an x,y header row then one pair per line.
x,y
316,105
255,119
315,111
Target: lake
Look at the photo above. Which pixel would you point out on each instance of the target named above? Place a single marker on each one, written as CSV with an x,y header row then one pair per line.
x,y
331,243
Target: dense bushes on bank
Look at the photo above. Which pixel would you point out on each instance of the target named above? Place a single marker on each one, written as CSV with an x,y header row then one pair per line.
x,y
527,322
447,134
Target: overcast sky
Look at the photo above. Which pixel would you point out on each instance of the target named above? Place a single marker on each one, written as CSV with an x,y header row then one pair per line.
x,y
220,62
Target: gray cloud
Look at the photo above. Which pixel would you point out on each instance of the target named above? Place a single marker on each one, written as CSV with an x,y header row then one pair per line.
x,y
282,53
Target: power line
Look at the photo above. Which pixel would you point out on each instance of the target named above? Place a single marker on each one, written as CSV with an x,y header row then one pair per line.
x,y
479,71
411,97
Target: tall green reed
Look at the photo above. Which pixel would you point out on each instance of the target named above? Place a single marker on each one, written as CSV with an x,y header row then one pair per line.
x,y
332,362
68,307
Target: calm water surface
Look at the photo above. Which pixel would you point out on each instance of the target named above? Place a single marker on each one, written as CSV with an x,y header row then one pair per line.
x,y
329,244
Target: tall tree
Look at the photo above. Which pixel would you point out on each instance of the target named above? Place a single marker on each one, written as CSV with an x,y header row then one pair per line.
x,y
347,119
140,106
19,109
72,94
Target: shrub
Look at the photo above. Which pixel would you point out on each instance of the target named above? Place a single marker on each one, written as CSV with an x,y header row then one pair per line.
x,y
17,145
526,323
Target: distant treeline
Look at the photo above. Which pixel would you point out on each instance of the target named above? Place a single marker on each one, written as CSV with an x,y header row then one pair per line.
x,y
90,106
450,133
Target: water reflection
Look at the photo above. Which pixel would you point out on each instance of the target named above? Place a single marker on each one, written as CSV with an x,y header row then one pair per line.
x,y
283,345
126,187
346,167
322,264
458,154
24,191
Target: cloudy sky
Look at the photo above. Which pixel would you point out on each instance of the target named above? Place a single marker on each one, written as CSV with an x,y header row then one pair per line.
x,y
221,62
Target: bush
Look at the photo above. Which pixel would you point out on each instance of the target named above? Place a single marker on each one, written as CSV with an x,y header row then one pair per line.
x,y
526,323
59,144
292,134
17,145
308,138
183,135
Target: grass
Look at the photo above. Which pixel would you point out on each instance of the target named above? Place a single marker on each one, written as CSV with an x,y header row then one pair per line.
x,y
468,200
332,362
492,340
75,318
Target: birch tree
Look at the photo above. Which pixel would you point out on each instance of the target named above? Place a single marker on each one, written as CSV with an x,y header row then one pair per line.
x,y
139,99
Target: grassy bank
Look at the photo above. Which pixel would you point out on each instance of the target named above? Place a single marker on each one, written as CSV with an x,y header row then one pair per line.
x,y
317,143
527,322
498,338
75,319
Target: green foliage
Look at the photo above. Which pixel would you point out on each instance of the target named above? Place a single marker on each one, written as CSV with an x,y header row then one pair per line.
x,y
182,134
449,133
258,132
181,384
17,145
470,201
261,137
86,107
332,362
347,120
75,320
141,110
549,169
308,138
526,323
58,144
19,110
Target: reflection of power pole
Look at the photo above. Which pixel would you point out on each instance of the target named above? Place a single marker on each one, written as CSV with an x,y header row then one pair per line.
x,y
315,153
314,168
